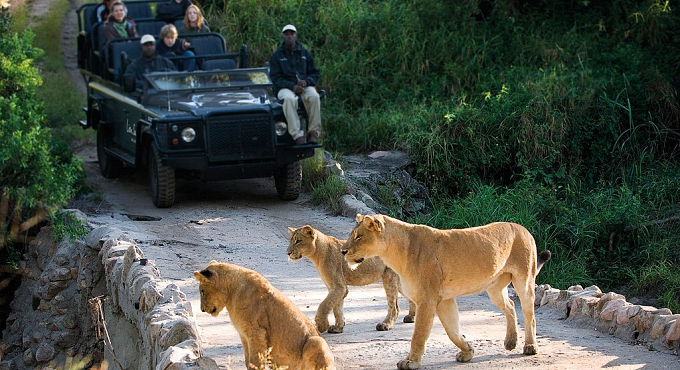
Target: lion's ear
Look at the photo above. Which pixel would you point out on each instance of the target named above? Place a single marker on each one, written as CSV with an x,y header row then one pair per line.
x,y
308,230
199,277
359,218
203,275
212,262
373,223
291,231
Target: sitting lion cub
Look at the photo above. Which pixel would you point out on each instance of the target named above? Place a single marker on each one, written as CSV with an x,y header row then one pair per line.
x,y
324,252
263,317
436,266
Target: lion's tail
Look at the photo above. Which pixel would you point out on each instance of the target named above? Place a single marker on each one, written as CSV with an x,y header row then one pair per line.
x,y
543,257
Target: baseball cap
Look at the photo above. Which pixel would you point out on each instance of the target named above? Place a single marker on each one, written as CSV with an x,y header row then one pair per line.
x,y
147,38
288,27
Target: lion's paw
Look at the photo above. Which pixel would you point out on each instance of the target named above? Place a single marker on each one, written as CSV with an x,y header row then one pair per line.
x,y
510,343
336,329
409,319
383,327
321,325
465,356
530,349
407,364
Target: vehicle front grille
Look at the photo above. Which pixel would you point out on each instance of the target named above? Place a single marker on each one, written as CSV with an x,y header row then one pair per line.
x,y
240,138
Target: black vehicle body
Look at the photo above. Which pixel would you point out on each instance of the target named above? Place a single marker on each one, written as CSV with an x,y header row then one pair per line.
x,y
216,124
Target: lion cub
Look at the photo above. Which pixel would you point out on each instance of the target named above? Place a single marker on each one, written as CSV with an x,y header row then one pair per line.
x,y
324,252
263,317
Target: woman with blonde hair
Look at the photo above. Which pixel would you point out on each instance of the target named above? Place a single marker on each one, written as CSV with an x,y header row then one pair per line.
x,y
118,25
193,21
169,45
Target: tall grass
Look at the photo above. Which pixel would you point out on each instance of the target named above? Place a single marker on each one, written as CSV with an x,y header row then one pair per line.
x,y
63,100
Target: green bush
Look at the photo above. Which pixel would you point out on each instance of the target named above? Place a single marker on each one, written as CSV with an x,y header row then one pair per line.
x,y
36,176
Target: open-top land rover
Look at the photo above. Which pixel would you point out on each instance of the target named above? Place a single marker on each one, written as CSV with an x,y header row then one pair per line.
x,y
217,123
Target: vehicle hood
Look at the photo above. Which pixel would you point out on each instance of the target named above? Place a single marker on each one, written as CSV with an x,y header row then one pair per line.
x,y
200,102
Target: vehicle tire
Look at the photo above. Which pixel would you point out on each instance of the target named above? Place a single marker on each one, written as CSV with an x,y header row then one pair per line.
x,y
288,181
161,180
109,166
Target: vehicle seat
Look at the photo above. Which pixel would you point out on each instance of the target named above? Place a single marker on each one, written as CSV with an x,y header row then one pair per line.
x,y
221,64
150,26
138,10
114,61
207,43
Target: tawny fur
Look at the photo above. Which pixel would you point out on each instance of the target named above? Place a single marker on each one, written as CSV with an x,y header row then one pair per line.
x,y
264,318
324,252
436,266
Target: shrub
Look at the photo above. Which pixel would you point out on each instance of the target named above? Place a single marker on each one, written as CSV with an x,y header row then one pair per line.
x,y
35,179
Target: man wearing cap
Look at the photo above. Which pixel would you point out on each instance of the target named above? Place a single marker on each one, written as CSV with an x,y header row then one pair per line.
x,y
294,73
148,62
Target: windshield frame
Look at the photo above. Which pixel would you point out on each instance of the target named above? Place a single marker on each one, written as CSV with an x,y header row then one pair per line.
x,y
240,78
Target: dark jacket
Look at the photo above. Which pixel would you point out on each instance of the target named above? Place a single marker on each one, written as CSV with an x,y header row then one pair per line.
x,y
285,67
110,32
100,13
176,49
142,65
185,30
172,10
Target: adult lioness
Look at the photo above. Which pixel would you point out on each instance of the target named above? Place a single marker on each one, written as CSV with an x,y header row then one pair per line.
x,y
263,317
436,266
324,252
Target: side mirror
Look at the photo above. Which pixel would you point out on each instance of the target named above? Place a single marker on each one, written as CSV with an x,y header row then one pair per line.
x,y
129,83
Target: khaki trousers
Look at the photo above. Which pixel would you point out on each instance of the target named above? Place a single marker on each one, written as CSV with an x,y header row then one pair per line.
x,y
312,102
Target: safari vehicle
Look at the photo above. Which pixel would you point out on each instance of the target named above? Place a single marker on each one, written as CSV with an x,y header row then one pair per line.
x,y
218,123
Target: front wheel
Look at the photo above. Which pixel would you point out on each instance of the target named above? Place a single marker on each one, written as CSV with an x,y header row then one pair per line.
x,y
109,166
288,180
161,180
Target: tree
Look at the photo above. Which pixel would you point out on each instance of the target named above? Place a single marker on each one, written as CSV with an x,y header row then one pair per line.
x,y
36,177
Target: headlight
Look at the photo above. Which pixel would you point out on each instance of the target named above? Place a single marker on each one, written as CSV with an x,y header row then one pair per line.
x,y
188,134
281,128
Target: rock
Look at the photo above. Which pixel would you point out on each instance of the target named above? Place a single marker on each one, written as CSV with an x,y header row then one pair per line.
x,y
178,332
350,206
610,307
673,334
60,274
381,175
44,353
53,288
65,339
29,359
61,260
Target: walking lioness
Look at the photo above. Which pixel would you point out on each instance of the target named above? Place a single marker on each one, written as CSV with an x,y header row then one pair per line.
x,y
436,266
263,317
324,252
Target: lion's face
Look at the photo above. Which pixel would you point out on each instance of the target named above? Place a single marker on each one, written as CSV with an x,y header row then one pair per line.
x,y
364,241
302,242
212,301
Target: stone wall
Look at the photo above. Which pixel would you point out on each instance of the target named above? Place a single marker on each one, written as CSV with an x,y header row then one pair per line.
x,y
657,328
99,300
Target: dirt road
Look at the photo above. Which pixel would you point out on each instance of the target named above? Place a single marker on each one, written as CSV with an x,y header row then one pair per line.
x,y
244,222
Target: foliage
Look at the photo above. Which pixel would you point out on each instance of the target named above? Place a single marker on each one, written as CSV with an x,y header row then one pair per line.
x,y
329,191
36,174
66,226
61,112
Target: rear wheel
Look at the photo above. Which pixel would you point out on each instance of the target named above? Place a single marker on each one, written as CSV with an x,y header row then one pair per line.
x,y
161,180
109,166
288,181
